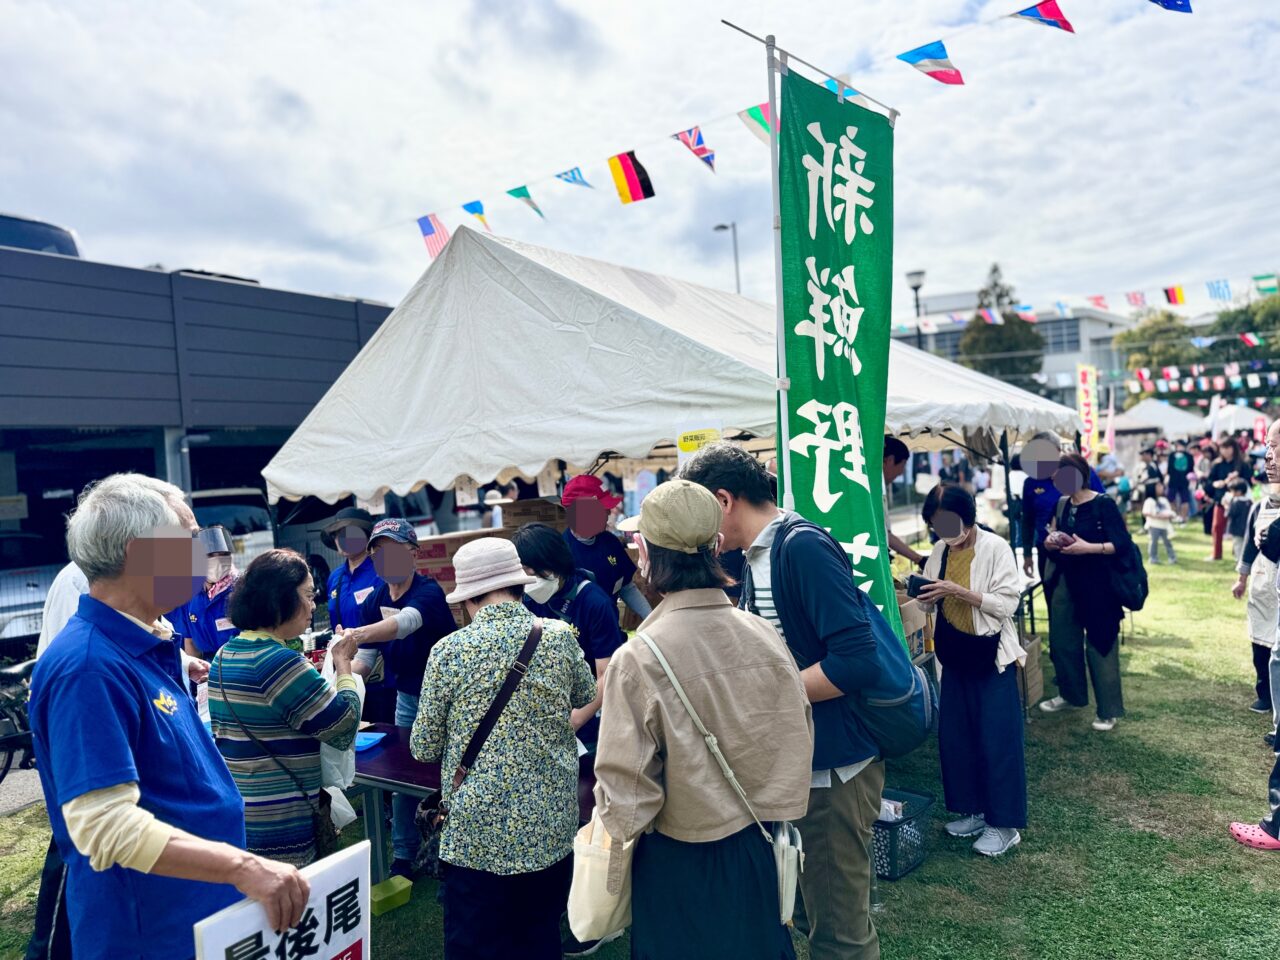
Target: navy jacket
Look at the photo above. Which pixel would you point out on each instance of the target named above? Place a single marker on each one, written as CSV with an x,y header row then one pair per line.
x,y
827,620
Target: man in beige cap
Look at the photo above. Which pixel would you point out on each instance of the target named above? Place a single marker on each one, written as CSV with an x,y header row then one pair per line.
x,y
508,840
703,877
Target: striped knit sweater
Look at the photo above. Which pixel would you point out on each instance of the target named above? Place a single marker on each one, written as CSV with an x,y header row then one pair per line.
x,y
282,698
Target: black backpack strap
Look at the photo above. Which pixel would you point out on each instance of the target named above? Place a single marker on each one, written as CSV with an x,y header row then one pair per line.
x,y
942,572
490,719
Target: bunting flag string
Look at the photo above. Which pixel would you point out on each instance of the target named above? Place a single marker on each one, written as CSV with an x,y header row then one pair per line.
x,y
1175,296
759,123
1266,284
692,138
991,316
434,234
630,178
1047,13
476,209
1136,298
575,177
932,61
1219,290
1098,301
1024,311
522,194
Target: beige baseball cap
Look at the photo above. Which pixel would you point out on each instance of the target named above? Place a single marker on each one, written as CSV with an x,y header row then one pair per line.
x,y
677,515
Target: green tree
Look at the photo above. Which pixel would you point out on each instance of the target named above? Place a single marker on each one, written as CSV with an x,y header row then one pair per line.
x,y
1261,317
1012,351
1160,338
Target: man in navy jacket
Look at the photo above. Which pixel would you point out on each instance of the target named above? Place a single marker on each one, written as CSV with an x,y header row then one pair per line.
x,y
798,578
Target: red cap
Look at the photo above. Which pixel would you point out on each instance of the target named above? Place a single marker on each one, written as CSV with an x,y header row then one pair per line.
x,y
588,488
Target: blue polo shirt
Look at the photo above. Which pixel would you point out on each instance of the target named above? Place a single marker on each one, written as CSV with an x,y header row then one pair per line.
x,y
348,589
407,657
205,621
1040,499
109,706
594,613
605,557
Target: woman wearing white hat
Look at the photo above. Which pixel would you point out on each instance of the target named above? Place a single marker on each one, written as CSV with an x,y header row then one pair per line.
x,y
507,841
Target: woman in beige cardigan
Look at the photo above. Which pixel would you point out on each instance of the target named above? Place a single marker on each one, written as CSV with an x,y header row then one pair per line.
x,y
703,881
975,596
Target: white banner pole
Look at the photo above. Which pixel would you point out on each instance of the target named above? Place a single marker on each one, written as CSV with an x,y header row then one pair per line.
x,y
784,384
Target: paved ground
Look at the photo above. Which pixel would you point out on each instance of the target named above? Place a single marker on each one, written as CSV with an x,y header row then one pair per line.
x,y
20,788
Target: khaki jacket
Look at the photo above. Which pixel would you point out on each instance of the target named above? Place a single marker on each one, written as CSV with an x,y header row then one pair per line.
x,y
653,768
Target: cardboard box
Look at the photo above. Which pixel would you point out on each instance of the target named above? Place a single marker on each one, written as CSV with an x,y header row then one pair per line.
x,y
917,626
444,546
517,514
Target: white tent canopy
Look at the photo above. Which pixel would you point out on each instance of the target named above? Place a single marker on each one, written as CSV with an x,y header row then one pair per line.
x,y
1230,417
1156,416
505,355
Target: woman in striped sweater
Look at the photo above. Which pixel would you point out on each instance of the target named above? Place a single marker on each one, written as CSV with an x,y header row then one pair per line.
x,y
271,709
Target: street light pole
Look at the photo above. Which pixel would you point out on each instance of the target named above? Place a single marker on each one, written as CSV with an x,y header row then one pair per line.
x,y
732,227
915,280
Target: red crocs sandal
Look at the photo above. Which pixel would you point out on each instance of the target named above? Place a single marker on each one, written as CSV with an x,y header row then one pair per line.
x,y
1252,835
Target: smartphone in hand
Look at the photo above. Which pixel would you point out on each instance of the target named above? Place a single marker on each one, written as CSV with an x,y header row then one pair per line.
x,y
915,584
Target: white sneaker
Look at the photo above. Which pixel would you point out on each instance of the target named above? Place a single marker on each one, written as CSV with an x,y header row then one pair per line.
x,y
1056,704
969,826
1103,726
997,840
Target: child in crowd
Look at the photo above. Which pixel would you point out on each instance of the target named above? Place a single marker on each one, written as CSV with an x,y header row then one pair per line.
x,y
1159,514
1237,503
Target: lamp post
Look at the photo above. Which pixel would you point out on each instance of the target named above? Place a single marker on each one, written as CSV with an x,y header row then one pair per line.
x,y
915,280
733,229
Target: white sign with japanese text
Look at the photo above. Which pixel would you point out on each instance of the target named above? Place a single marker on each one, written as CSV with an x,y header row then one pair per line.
x,y
334,926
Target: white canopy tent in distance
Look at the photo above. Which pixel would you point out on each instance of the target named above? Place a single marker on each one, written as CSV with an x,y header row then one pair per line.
x,y
504,357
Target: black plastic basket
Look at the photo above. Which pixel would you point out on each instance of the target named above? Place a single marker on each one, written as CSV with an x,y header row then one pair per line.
x,y
901,845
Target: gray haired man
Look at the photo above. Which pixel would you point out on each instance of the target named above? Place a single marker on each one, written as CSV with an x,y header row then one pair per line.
x,y
109,715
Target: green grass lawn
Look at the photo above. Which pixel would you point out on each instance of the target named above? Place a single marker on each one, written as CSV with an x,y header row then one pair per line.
x,y
1126,855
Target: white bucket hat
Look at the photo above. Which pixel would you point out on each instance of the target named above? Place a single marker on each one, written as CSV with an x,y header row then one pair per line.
x,y
485,565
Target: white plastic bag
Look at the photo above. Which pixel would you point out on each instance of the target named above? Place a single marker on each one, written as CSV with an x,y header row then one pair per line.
x,y
340,810
338,767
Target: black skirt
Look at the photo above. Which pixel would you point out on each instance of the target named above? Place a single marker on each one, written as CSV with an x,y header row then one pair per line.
x,y
700,901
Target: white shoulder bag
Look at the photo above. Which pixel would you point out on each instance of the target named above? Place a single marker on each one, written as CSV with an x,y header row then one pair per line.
x,y
788,853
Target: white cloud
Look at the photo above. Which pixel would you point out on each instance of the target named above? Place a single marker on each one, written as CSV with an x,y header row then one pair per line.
x,y
297,142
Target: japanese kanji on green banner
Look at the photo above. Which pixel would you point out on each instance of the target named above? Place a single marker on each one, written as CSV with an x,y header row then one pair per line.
x,y
836,181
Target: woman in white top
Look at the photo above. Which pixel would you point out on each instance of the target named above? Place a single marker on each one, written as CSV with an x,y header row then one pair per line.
x,y
974,594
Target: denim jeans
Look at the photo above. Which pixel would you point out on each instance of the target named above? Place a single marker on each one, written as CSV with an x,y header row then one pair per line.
x,y
1158,537
404,829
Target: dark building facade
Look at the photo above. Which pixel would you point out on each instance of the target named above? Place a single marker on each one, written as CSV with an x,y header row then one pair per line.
x,y
187,376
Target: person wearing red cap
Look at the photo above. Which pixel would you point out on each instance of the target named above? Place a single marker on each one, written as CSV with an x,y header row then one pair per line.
x,y
594,548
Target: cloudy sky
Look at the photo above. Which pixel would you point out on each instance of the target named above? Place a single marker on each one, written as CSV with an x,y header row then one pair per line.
x,y
297,142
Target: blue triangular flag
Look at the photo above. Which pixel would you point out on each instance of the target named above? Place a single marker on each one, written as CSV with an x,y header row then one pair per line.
x,y
1181,6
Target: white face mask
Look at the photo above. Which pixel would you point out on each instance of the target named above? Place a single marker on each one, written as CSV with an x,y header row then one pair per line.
x,y
542,589
219,567
956,541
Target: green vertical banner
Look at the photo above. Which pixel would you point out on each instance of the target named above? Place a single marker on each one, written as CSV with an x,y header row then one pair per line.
x,y
836,182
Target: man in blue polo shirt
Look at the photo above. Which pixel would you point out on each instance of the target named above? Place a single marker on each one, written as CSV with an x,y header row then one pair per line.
x,y
203,620
142,806
355,580
403,618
